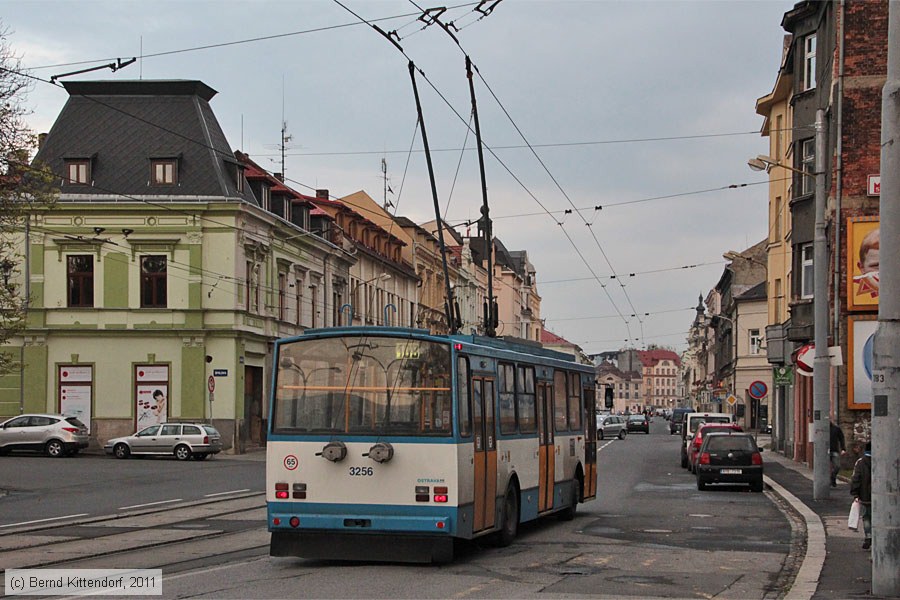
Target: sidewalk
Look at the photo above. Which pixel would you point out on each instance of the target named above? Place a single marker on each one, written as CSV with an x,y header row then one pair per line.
x,y
847,569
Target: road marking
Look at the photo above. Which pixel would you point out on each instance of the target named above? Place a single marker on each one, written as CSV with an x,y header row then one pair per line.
x,y
223,493
605,445
45,520
149,504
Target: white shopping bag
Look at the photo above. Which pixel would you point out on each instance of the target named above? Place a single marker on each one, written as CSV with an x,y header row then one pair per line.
x,y
853,518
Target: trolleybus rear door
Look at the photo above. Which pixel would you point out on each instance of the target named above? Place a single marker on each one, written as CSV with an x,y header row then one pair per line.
x,y
590,446
485,452
547,458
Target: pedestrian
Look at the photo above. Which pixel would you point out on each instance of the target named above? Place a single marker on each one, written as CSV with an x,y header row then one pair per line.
x,y
837,449
861,489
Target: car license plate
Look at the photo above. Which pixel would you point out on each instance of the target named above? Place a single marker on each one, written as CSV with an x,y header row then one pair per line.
x,y
731,471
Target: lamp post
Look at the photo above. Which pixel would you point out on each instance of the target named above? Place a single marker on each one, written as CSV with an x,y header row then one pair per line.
x,y
821,371
379,277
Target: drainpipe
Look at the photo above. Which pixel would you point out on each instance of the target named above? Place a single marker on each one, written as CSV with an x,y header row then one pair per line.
x,y
838,192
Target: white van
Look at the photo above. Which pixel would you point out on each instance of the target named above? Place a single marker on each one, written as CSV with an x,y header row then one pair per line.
x,y
694,420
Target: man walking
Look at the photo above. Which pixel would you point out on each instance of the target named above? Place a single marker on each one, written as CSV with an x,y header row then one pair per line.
x,y
861,489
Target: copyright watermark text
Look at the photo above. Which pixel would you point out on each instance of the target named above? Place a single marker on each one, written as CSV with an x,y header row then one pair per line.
x,y
84,582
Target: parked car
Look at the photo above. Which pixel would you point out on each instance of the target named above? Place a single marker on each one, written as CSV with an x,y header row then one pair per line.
x,y
675,419
610,426
54,435
692,421
694,447
730,458
638,423
181,440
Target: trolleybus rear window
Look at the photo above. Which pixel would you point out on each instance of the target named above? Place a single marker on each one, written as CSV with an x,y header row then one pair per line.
x,y
363,385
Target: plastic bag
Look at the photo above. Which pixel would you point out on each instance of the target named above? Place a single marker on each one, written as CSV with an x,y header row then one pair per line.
x,y
853,518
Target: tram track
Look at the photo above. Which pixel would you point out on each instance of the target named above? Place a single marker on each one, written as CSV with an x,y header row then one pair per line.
x,y
214,527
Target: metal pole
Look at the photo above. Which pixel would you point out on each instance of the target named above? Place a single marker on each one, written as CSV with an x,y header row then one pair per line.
x,y
886,372
821,363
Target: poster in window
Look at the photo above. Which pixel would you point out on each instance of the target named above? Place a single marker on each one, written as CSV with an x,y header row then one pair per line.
x,y
152,404
863,245
76,392
859,371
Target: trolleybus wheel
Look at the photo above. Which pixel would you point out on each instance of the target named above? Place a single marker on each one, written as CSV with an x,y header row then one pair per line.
x,y
509,527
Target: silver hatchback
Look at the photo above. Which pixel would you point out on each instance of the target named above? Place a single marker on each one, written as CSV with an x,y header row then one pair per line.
x,y
181,440
54,435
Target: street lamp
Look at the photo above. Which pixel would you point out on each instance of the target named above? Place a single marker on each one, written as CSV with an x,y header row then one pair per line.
x,y
380,277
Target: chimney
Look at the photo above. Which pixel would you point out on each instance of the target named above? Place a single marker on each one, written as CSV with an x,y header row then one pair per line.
x,y
279,177
323,194
41,138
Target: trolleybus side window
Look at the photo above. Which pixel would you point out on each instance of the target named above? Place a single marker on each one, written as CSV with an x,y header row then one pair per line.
x,y
525,400
507,389
463,385
574,402
560,412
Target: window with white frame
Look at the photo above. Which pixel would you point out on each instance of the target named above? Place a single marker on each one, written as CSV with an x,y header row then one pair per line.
x,y
808,164
806,271
809,62
755,341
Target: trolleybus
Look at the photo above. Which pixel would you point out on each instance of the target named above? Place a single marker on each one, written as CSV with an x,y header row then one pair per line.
x,y
387,443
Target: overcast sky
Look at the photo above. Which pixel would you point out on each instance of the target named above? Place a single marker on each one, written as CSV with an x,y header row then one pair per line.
x,y
623,103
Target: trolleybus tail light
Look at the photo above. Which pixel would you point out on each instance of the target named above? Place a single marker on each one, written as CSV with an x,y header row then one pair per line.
x,y
276,521
281,491
300,491
422,493
457,346
440,493
295,522
439,524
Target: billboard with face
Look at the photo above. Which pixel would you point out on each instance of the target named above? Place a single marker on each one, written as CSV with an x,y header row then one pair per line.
x,y
863,245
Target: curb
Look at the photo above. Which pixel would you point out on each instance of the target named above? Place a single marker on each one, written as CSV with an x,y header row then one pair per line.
x,y
807,579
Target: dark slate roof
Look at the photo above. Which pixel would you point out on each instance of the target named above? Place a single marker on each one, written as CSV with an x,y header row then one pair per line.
x,y
757,292
122,125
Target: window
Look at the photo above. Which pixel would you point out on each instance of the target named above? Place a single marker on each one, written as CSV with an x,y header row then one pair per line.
x,y
153,281
806,271
526,400
560,412
462,393
80,270
779,300
190,430
755,341
506,382
239,178
778,126
78,172
266,199
163,171
282,291
574,402
809,62
808,182
314,305
776,224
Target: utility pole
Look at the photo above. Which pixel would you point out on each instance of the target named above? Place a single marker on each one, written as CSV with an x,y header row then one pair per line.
x,y
886,371
821,363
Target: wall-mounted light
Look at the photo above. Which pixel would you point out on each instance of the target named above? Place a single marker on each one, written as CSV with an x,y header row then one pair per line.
x,y
126,232
99,230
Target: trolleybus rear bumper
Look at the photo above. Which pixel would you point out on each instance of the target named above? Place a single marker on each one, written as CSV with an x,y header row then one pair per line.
x,y
382,547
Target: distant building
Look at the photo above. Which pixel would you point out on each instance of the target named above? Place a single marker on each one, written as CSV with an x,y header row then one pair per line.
x,y
660,371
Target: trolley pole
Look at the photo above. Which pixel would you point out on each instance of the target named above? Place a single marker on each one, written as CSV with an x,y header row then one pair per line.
x,y
821,363
886,371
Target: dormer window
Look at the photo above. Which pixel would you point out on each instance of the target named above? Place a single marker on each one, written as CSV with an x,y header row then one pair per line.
x,y
163,171
78,171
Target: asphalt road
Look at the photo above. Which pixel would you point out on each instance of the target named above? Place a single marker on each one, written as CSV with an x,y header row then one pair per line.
x,y
38,488
651,534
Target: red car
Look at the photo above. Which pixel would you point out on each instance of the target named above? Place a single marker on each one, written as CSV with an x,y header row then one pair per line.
x,y
694,447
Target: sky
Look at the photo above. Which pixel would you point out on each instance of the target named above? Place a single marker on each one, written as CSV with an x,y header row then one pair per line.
x,y
645,109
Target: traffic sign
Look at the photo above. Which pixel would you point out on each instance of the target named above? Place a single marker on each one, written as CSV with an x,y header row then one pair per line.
x,y
731,400
805,359
782,376
211,383
758,390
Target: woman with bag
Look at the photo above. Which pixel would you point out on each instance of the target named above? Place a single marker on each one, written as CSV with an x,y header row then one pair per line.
x,y
861,489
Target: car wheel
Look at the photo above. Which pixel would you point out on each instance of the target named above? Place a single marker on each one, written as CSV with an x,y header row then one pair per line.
x,y
599,434
757,486
121,451
55,448
182,452
701,484
509,527
684,463
622,434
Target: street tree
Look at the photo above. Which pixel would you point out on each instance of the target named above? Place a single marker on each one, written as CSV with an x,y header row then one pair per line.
x,y
23,187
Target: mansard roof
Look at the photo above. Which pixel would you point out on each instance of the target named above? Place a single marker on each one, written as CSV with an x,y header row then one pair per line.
x,y
120,126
